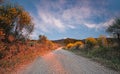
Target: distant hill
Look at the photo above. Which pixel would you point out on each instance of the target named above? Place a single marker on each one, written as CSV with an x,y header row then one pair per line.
x,y
66,41
71,40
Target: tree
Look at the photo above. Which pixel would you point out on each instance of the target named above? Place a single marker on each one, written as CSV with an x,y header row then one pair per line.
x,y
15,20
42,38
115,28
102,41
78,45
90,42
69,46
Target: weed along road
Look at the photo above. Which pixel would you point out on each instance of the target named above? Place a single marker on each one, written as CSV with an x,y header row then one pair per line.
x,y
64,62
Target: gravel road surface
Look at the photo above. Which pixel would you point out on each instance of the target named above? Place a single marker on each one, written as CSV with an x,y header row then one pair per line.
x,y
64,62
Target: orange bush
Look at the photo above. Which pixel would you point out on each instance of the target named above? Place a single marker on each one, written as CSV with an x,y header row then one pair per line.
x,y
78,44
90,42
69,46
102,41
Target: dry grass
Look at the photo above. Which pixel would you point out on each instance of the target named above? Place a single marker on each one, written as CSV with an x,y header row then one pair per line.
x,y
13,55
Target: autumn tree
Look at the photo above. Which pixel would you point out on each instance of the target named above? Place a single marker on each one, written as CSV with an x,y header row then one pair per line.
x,y
115,28
102,41
90,42
15,20
78,45
69,46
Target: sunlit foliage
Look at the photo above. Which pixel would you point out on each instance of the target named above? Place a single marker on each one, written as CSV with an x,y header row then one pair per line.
x,y
15,20
102,41
78,45
19,53
69,46
90,42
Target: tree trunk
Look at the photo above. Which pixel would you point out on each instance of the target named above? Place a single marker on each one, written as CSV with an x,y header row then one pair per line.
x,y
118,36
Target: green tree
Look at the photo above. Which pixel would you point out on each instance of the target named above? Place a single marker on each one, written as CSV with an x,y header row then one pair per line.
x,y
115,28
15,20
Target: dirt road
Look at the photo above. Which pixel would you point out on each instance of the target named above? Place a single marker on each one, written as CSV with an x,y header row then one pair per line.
x,y
64,62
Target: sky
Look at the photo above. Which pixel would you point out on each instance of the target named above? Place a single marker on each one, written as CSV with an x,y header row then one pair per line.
x,y
79,19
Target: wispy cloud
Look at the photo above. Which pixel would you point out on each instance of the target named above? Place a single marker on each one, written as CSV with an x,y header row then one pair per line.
x,y
101,25
50,21
90,25
61,15
71,26
77,13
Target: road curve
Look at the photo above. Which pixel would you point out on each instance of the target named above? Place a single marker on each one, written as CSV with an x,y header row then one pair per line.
x,y
64,62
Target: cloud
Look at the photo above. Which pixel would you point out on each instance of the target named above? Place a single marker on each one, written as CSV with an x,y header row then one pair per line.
x,y
60,15
84,14
49,21
101,25
107,23
77,13
71,26
90,25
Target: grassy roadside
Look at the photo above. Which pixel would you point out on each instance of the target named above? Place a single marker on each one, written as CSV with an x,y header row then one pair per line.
x,y
112,63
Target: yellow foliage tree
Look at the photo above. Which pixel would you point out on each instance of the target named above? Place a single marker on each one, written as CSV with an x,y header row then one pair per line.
x,y
69,46
90,42
102,41
78,44
13,19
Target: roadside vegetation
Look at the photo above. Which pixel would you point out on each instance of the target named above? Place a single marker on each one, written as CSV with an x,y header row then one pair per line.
x,y
15,46
102,49
12,55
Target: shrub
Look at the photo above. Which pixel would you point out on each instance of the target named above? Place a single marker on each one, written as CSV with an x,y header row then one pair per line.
x,y
78,45
100,52
69,46
50,44
102,41
106,52
42,38
90,42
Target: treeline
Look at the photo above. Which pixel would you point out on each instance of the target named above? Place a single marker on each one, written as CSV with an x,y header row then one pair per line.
x,y
89,43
